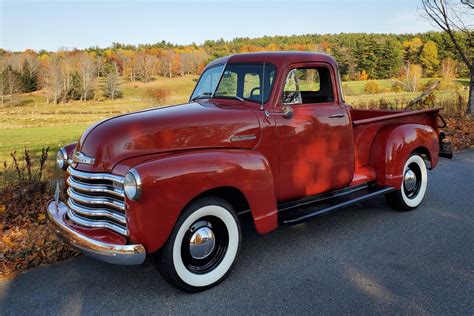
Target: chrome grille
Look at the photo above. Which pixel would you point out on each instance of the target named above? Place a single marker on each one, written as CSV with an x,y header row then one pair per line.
x,y
96,200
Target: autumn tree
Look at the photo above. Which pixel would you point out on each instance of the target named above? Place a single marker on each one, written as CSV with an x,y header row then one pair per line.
x,y
112,83
412,49
452,17
54,78
145,65
70,79
168,63
429,58
447,73
410,77
11,82
87,74
10,76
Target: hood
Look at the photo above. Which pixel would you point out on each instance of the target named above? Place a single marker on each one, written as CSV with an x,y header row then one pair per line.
x,y
160,130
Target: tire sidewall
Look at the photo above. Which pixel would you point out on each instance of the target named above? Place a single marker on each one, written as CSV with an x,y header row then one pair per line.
x,y
414,202
206,207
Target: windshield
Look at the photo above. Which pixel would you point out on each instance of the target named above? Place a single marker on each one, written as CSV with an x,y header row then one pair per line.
x,y
237,81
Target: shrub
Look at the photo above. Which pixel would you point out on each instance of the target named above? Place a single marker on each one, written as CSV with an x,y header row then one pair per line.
x,y
25,172
385,104
371,87
397,86
158,95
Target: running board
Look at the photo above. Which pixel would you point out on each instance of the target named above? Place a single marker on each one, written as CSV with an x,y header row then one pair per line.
x,y
296,212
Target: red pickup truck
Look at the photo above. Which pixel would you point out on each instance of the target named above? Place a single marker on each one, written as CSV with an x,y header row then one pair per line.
x,y
265,133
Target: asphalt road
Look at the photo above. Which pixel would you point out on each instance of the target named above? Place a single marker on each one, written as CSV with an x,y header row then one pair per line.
x,y
367,259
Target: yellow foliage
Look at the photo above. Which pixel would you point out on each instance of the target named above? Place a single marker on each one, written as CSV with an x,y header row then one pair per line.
x,y
371,87
363,75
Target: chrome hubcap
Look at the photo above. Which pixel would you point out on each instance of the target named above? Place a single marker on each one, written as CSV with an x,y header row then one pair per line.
x,y
409,180
202,243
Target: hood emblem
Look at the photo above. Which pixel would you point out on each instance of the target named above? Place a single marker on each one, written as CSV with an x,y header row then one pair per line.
x,y
242,138
82,158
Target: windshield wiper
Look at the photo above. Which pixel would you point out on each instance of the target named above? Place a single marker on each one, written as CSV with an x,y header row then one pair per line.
x,y
202,96
229,97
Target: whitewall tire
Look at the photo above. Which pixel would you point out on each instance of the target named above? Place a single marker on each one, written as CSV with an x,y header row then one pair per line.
x,y
414,184
203,246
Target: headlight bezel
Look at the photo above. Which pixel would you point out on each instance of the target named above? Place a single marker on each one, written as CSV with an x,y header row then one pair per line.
x,y
133,181
61,158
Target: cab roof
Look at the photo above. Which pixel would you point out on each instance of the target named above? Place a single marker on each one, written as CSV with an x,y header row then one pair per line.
x,y
279,59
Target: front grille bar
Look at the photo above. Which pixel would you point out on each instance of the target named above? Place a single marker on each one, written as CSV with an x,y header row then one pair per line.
x,y
95,212
94,176
94,188
94,200
95,223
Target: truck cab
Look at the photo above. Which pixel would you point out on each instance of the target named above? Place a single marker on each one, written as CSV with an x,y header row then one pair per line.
x,y
265,133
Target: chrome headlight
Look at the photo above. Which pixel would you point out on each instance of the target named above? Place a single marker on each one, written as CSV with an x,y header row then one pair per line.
x,y
132,185
61,158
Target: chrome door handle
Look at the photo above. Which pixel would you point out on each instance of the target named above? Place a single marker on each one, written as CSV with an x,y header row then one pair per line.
x,y
337,115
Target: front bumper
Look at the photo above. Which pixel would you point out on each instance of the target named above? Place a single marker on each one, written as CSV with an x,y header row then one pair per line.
x,y
111,253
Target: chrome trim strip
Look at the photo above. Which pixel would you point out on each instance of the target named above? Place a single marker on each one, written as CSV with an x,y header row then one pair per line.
x,y
94,200
242,138
95,223
98,188
111,253
94,176
82,158
96,212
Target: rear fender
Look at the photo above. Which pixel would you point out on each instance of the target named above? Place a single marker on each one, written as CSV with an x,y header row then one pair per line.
x,y
172,182
393,145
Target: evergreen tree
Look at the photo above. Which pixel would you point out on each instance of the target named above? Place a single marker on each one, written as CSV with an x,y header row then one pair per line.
x,y
29,78
389,59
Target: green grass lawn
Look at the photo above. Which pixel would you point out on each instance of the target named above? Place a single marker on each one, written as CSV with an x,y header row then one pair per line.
x,y
35,138
35,124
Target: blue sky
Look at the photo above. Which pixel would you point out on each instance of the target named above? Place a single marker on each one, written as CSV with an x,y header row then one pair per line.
x,y
54,24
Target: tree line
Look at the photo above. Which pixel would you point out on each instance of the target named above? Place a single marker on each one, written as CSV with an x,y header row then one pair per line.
x,y
73,74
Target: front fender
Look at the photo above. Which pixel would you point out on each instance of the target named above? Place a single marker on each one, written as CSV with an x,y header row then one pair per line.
x,y
169,183
70,149
393,145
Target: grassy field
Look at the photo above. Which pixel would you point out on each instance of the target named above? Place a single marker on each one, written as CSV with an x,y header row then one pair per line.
x,y
35,124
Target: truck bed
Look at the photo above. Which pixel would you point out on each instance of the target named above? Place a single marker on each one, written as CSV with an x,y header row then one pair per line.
x,y
366,125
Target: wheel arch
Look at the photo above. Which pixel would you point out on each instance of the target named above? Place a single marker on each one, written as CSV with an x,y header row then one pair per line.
x,y
242,177
232,195
425,154
395,143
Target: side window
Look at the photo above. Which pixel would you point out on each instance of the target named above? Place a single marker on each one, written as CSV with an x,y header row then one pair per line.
x,y
307,86
228,85
252,86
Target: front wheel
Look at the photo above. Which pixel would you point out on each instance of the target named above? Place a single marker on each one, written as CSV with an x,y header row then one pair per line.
x,y
414,183
202,247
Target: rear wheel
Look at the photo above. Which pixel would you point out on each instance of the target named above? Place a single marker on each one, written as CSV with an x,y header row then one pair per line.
x,y
202,247
414,183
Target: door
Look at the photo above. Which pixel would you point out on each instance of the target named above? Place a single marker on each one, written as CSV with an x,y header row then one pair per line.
x,y
315,145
